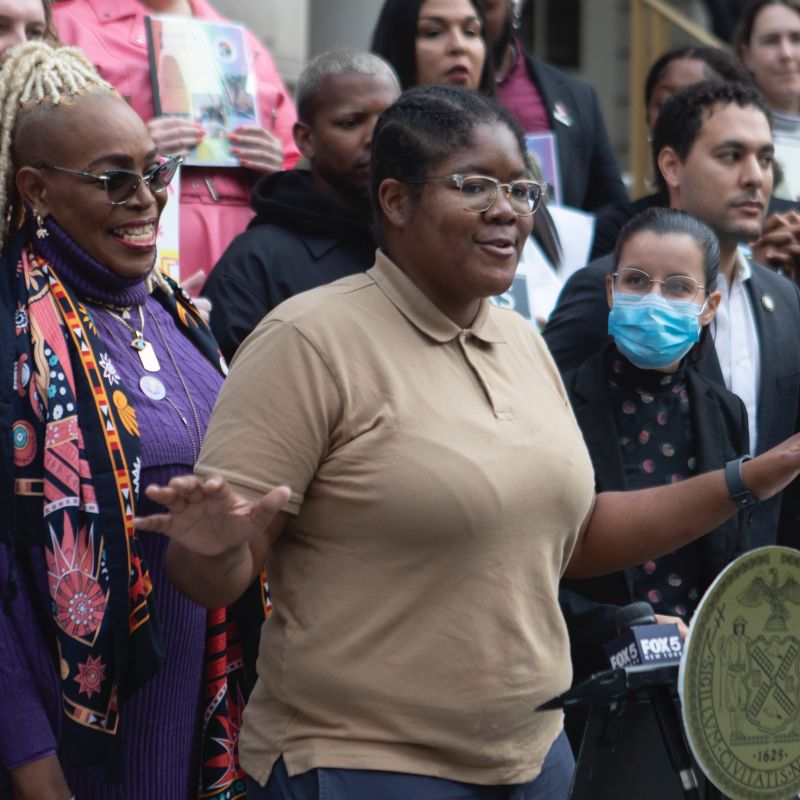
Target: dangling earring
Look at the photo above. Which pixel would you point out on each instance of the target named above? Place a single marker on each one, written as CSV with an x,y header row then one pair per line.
x,y
516,15
41,231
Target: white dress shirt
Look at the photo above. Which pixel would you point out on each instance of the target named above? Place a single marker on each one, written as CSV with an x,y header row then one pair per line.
x,y
736,342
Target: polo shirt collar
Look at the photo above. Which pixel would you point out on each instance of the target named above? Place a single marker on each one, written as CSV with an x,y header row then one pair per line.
x,y
421,312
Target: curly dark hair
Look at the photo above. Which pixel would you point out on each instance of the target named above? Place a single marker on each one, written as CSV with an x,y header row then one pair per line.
x,y
681,118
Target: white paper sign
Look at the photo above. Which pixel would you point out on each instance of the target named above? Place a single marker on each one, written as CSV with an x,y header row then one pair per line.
x,y
167,240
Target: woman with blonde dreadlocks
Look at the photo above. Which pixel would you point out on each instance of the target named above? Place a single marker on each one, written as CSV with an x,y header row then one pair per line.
x,y
105,666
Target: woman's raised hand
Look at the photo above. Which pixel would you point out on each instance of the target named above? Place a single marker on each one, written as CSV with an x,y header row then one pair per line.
x,y
207,517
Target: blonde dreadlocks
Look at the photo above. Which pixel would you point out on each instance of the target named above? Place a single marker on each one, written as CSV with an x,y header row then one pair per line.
x,y
36,75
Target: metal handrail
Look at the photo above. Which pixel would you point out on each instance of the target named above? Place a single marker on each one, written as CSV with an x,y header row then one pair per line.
x,y
651,23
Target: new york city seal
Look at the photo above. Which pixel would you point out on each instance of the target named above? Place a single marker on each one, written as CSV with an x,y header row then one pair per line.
x,y
740,677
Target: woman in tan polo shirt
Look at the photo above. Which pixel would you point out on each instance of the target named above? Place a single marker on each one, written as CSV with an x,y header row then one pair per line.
x,y
403,457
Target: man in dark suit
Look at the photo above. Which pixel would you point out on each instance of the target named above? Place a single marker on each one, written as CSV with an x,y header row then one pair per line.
x,y
543,98
712,148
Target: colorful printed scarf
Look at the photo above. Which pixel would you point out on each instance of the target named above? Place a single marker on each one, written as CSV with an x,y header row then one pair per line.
x,y
77,464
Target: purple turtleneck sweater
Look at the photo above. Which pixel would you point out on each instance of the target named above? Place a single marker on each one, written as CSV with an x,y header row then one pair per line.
x,y
160,723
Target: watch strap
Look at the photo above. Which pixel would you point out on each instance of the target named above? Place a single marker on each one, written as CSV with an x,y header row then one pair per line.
x,y
737,489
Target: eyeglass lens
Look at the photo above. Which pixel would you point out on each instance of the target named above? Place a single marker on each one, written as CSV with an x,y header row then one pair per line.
x,y
121,184
676,287
479,193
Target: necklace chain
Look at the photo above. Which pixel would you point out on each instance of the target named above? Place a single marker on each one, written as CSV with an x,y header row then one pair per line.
x,y
198,427
124,310
196,438
124,320
147,355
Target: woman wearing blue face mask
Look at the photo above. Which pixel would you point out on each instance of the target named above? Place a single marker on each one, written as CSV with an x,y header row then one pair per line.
x,y
650,418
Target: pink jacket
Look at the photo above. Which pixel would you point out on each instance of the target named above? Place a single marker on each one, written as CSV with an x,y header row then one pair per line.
x,y
215,202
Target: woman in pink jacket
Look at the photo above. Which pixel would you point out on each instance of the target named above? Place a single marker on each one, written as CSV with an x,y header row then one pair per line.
x,y
215,202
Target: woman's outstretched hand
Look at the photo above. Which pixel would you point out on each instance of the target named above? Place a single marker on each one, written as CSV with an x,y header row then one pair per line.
x,y
207,517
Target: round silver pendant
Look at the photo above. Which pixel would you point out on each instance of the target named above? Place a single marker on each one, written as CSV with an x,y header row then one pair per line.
x,y
152,387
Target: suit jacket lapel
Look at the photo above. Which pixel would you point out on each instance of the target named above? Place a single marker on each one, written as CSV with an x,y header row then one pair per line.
x,y
544,87
595,417
706,424
767,329
708,449
768,334
708,366
712,449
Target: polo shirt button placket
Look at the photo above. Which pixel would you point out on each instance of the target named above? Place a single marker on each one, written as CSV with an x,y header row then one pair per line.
x,y
464,340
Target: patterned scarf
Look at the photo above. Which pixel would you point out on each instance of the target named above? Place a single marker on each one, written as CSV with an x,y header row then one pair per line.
x,y
77,464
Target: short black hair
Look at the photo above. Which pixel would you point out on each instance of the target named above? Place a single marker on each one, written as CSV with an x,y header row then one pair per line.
x,y
395,39
425,126
720,65
666,221
681,118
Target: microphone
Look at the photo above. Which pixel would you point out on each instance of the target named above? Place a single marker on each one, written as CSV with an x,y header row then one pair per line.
x,y
641,641
644,660
644,654
634,614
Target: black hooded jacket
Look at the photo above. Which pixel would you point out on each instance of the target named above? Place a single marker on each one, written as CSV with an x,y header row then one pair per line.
x,y
300,238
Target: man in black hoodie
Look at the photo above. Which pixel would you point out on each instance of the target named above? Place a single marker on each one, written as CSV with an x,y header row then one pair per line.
x,y
312,225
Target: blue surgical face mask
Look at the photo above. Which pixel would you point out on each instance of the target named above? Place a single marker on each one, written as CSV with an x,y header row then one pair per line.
x,y
652,332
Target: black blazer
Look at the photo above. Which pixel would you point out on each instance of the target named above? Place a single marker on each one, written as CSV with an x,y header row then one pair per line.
x,y
719,426
578,328
589,172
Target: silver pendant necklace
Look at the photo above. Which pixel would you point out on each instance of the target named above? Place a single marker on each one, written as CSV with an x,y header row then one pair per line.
x,y
147,355
153,387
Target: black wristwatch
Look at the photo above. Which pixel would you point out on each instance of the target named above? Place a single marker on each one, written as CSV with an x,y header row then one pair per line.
x,y
737,489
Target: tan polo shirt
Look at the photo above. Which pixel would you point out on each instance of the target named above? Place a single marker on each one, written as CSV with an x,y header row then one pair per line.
x,y
438,481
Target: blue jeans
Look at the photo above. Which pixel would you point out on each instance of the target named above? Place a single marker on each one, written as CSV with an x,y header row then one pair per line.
x,y
552,783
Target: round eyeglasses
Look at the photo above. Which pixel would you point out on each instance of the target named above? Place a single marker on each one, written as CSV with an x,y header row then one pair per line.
x,y
479,192
122,184
637,281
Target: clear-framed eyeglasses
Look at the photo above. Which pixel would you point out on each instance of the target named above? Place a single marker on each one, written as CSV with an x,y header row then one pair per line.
x,y
637,282
122,184
479,192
